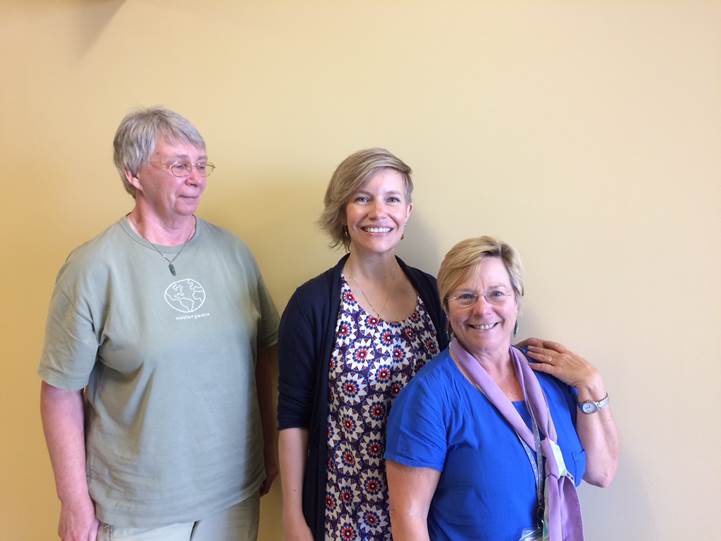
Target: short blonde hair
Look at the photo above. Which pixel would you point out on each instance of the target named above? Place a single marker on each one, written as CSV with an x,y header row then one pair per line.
x,y
464,258
348,178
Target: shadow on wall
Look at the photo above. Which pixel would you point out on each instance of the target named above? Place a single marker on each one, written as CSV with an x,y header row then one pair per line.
x,y
91,21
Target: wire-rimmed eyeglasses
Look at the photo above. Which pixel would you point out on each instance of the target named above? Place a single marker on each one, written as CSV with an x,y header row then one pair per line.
x,y
185,169
469,298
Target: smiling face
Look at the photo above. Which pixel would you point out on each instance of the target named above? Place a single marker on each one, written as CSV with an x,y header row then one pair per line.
x,y
377,213
159,192
484,328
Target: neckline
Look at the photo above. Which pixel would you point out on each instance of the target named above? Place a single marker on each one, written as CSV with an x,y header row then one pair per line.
x,y
416,306
166,249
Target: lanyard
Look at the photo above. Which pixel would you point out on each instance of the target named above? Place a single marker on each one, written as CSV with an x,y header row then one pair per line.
x,y
536,464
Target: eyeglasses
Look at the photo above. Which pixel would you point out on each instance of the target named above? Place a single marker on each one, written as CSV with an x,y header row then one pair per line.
x,y
185,169
492,296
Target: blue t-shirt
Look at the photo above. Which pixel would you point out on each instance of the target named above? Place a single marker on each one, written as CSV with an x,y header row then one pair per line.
x,y
487,488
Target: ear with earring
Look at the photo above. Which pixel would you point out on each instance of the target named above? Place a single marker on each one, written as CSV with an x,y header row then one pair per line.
x,y
515,328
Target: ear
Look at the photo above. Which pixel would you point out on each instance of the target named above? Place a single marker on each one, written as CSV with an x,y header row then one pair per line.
x,y
410,211
133,180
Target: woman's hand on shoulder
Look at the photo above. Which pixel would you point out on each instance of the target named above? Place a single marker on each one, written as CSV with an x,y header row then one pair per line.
x,y
555,359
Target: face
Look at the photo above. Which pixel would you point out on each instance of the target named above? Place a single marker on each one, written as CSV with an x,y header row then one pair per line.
x,y
376,215
484,327
167,196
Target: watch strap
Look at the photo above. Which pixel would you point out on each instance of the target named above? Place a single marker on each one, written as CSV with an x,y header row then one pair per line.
x,y
592,406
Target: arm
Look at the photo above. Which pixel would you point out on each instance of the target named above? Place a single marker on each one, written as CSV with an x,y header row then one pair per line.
x,y
597,431
63,419
265,381
293,450
305,338
410,491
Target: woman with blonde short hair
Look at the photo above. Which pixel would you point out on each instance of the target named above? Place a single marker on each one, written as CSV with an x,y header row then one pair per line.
x,y
484,444
350,339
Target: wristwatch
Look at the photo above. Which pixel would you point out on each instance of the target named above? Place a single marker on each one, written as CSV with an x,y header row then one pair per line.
x,y
591,406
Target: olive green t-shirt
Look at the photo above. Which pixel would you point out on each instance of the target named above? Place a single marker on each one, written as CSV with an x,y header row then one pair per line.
x,y
168,367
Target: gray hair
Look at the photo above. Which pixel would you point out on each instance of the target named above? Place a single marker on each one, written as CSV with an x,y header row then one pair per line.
x,y
138,133
465,257
350,176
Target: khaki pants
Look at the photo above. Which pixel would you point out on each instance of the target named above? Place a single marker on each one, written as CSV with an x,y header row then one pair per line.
x,y
237,523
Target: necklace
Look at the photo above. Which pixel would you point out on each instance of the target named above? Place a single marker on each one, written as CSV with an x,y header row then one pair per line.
x,y
363,293
171,260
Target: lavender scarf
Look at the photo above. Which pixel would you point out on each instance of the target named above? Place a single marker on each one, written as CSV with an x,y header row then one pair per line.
x,y
562,516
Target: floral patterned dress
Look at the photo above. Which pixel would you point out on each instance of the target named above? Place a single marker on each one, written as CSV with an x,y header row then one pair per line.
x,y
371,362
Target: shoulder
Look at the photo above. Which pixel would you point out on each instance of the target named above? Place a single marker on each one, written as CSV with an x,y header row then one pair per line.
x,y
95,255
419,277
310,303
319,286
226,244
552,386
440,372
560,396
433,381
420,416
218,234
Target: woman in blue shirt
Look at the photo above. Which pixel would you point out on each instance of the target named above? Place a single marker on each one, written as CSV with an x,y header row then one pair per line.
x,y
483,445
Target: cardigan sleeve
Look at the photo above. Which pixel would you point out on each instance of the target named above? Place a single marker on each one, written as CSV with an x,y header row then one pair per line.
x,y
298,362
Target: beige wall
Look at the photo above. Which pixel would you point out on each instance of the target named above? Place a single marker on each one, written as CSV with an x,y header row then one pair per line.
x,y
588,134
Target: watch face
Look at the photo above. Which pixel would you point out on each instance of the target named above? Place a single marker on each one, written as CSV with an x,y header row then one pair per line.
x,y
588,407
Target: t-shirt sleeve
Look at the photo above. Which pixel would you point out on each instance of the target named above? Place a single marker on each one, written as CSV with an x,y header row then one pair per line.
x,y
71,342
566,397
268,325
416,431
267,330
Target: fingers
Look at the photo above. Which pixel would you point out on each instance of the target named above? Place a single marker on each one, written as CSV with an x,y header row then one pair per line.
x,y
528,342
540,354
545,368
549,344
267,484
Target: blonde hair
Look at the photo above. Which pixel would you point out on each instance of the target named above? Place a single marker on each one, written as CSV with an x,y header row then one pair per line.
x,y
465,257
348,178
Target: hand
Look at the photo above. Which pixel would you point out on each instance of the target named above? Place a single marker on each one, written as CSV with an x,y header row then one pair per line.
x,y
77,521
573,370
271,472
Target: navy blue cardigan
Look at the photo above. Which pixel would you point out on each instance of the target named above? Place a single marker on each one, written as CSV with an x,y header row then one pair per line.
x,y
305,344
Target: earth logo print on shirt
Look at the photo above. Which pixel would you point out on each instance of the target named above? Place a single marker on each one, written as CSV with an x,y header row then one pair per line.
x,y
185,295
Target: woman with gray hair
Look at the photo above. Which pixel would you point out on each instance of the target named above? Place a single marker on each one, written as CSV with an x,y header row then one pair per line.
x,y
157,393
484,444
350,339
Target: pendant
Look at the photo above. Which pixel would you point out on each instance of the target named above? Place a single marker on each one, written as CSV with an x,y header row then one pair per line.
x,y
171,268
